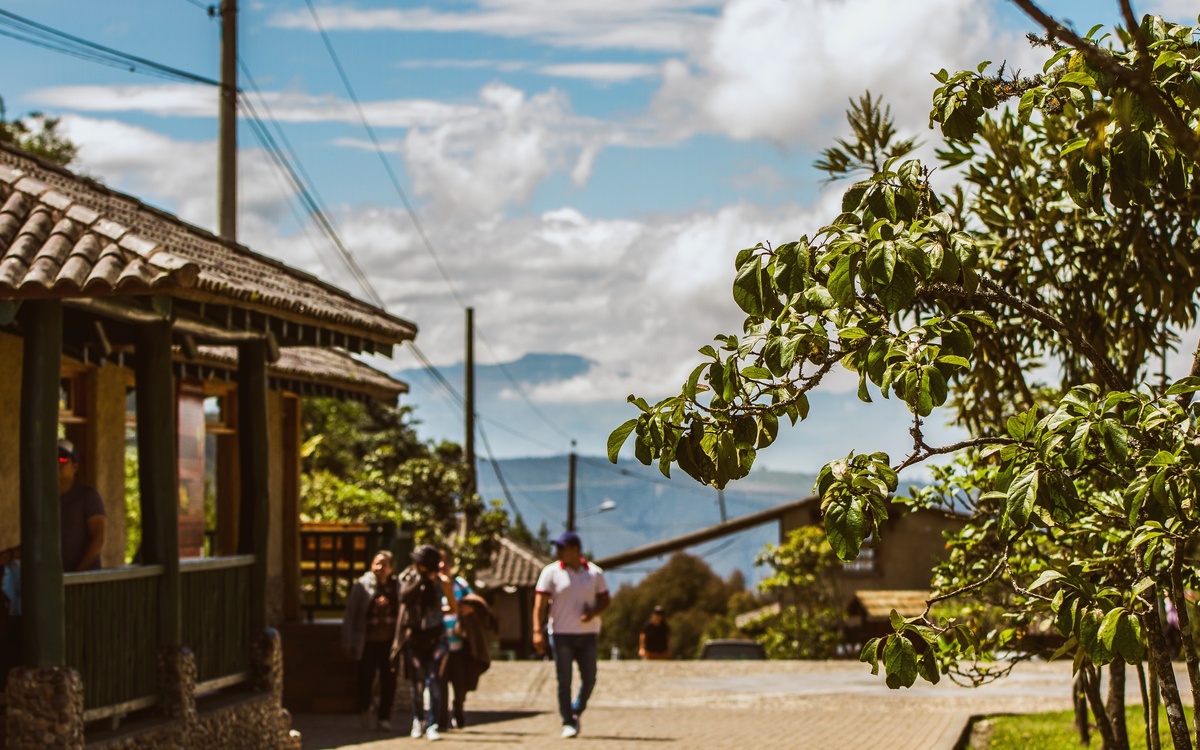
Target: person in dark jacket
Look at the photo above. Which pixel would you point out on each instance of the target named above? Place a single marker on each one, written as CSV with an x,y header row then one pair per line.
x,y
368,629
420,638
475,619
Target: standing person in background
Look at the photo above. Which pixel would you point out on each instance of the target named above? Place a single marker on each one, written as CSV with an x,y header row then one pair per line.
x,y
452,669
475,619
368,628
82,511
570,596
654,643
421,636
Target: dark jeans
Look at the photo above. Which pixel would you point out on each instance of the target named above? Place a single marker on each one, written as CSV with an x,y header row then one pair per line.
x,y
580,649
376,658
425,669
456,677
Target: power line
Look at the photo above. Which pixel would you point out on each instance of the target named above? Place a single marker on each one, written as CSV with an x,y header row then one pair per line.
x,y
32,32
487,447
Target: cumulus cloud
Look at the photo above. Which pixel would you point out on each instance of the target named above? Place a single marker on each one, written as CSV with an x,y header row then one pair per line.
x,y
778,71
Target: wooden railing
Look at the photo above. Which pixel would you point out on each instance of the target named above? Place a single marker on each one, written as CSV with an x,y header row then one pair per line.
x,y
333,555
111,622
215,594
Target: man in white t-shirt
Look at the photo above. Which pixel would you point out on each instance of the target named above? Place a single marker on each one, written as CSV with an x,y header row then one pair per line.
x,y
571,594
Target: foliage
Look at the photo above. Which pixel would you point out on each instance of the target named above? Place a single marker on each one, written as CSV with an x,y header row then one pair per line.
x,y
1049,731
1031,303
133,504
698,603
809,623
365,462
39,135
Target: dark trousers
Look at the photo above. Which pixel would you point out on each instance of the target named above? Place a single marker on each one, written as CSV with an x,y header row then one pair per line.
x,y
376,659
425,669
456,677
579,649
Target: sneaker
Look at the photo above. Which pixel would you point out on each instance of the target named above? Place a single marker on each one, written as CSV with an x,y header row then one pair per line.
x,y
569,732
578,722
385,725
416,730
432,734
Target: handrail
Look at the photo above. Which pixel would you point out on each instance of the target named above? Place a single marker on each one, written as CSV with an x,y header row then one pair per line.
x,y
123,573
195,564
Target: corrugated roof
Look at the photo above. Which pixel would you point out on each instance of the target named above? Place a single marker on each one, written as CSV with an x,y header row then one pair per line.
x,y
225,272
881,603
50,244
513,564
335,368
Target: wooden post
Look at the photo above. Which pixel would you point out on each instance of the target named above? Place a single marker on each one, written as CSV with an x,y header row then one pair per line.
x,y
158,471
469,480
571,488
227,135
255,482
41,545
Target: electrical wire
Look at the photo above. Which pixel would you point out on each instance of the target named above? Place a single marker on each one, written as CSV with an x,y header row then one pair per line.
x,y
487,447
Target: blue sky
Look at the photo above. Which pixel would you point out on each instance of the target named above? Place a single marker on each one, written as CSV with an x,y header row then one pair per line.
x,y
585,171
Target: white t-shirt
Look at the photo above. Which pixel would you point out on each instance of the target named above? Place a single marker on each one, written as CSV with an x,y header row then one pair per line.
x,y
572,592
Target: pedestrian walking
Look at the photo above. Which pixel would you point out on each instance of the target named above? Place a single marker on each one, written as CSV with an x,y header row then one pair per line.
x,y
654,642
570,596
453,668
421,636
368,628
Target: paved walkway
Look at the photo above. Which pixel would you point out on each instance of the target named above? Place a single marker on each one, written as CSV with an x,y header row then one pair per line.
x,y
821,706
815,705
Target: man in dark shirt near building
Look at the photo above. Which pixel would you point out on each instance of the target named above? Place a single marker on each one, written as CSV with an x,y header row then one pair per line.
x,y
82,515
655,640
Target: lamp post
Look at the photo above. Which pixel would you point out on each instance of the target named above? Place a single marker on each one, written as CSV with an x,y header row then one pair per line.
x,y
604,507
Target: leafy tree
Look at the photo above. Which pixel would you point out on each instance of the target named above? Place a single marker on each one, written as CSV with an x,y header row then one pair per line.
x,y
365,462
809,623
1032,303
699,604
39,135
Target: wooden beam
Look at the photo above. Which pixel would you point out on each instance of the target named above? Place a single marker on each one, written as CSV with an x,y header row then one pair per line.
x,y
158,471
253,437
41,545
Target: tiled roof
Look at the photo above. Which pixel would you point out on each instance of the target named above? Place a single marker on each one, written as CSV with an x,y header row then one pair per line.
x,y
879,604
317,371
513,564
228,273
51,244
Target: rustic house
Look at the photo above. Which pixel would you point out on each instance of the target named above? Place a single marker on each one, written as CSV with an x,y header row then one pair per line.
x,y
132,332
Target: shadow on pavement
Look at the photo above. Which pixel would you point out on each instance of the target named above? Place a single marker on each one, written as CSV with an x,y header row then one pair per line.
x,y
329,731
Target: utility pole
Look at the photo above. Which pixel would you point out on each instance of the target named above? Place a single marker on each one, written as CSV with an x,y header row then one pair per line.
x,y
469,445
571,489
227,129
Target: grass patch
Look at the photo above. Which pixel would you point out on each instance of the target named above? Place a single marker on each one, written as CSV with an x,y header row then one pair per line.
x,y
1056,731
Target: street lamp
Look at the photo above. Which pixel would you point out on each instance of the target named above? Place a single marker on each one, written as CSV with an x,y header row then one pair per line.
x,y
604,507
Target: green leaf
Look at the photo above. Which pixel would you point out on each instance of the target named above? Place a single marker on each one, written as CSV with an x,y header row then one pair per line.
x,y
618,437
846,527
841,283
754,372
897,620
1108,627
747,287
900,292
870,655
1115,440
900,662
1046,577
1022,494
1128,639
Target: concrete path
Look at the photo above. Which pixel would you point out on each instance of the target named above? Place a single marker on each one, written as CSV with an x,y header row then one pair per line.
x,y
696,705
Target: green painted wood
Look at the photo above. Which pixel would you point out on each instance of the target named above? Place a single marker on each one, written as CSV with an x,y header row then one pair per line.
x,y
41,545
253,443
158,470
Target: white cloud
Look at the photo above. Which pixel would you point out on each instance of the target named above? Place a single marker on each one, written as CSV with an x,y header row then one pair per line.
x,y
660,25
780,70
603,72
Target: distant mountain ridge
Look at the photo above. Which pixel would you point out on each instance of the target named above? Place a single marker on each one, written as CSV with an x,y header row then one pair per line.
x,y
650,507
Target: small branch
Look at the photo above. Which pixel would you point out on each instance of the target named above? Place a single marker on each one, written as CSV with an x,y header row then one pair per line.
x,y
971,586
930,452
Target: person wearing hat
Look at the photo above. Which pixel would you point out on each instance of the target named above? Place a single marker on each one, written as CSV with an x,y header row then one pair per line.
x,y
82,520
569,598
654,642
426,595
368,628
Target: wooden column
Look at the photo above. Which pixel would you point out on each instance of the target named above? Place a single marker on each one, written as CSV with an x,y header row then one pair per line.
x,y
158,471
255,484
41,545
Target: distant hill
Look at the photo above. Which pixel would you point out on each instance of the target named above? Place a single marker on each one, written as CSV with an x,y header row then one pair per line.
x,y
650,507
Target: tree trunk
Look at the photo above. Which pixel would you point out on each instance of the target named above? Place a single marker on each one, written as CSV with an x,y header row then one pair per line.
x,y
1185,627
1149,710
1079,701
1091,684
1159,657
1115,704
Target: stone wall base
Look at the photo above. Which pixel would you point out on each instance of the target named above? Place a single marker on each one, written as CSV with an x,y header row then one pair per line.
x,y
45,709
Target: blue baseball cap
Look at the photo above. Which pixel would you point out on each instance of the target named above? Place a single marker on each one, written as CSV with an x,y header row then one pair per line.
x,y
568,539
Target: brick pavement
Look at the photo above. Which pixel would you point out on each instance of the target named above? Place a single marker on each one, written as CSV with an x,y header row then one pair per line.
x,y
697,705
